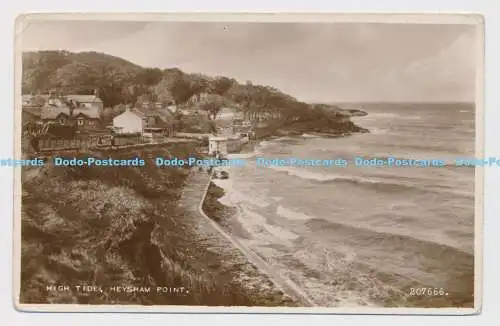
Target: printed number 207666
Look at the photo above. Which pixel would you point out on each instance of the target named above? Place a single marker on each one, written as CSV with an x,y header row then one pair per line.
x,y
428,291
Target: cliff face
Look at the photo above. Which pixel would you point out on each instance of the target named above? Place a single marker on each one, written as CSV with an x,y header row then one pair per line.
x,y
94,226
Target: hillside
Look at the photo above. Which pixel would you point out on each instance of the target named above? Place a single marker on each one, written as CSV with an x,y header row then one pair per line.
x,y
119,81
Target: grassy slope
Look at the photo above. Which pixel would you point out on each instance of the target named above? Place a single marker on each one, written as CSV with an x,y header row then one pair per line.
x,y
94,225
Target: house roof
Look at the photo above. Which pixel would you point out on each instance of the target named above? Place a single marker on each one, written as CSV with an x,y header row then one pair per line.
x,y
30,115
172,108
52,111
32,111
92,113
84,98
38,100
164,114
137,113
134,111
217,138
33,100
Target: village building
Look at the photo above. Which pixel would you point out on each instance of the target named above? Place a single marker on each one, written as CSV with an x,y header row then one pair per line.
x,y
33,101
26,100
64,111
227,113
194,101
145,120
193,120
92,102
83,101
129,122
217,146
30,115
241,126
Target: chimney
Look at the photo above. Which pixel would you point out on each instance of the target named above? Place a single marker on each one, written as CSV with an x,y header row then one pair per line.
x,y
71,106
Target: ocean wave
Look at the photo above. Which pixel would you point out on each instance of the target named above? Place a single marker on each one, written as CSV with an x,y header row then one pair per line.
x,y
309,136
285,138
304,174
233,197
409,117
241,155
291,214
380,184
436,241
257,224
263,145
378,131
281,233
251,217
371,116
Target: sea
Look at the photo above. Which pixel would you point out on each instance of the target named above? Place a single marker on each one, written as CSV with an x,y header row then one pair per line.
x,y
367,236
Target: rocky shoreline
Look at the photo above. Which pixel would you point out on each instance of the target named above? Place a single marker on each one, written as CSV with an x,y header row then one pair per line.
x,y
321,126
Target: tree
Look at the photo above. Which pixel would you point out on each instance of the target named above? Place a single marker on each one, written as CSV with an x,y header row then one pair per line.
x,y
149,76
74,76
199,83
108,114
212,104
174,84
221,85
39,67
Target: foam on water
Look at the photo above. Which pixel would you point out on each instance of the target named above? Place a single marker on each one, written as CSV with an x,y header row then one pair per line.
x,y
233,197
309,136
281,233
290,214
304,174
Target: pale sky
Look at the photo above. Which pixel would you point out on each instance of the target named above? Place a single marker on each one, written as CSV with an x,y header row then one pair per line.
x,y
315,62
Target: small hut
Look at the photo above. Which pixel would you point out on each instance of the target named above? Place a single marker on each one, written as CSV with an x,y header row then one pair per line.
x,y
217,146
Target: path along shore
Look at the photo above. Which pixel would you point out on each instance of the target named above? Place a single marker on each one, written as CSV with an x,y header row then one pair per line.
x,y
266,286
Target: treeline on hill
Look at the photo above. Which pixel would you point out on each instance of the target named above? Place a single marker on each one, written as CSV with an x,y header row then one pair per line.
x,y
122,82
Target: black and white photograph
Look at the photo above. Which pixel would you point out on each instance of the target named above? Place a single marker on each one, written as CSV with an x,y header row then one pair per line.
x,y
249,163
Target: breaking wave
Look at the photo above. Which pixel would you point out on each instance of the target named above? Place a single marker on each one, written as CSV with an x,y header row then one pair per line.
x,y
378,184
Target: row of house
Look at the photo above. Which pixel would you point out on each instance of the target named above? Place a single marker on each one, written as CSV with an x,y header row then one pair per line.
x,y
146,117
82,111
85,112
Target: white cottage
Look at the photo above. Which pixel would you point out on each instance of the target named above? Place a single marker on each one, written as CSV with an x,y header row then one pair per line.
x,y
217,145
129,122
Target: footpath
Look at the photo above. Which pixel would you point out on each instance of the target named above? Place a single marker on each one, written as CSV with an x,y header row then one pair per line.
x,y
213,238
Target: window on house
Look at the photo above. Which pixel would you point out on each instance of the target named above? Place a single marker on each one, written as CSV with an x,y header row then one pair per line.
x,y
61,121
91,122
80,122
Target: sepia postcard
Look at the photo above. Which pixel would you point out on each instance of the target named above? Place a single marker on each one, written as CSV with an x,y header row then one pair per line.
x,y
249,163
